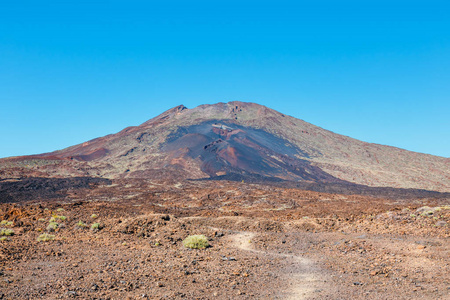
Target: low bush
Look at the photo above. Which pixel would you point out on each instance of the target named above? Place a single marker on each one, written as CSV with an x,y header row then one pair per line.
x,y
6,232
196,242
81,224
45,237
55,218
52,226
6,223
96,226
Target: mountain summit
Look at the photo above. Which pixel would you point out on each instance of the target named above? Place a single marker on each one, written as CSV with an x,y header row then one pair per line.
x,y
237,140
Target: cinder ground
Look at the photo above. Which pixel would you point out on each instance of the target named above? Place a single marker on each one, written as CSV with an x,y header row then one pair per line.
x,y
266,243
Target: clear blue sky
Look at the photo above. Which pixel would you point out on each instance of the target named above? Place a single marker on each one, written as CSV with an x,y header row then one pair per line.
x,y
71,71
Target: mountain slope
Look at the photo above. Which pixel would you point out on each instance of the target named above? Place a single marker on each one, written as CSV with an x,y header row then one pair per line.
x,y
238,138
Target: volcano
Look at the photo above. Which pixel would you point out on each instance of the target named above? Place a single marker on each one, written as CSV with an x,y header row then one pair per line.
x,y
236,141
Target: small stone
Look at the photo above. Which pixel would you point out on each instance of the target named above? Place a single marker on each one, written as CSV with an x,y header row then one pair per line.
x,y
421,247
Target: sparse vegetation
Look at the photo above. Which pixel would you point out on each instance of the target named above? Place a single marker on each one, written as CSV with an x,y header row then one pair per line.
x,y
60,209
196,242
45,237
81,224
52,226
6,232
427,213
6,223
352,236
95,226
54,218
29,163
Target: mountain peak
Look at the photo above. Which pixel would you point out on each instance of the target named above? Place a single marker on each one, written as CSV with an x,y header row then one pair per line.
x,y
236,111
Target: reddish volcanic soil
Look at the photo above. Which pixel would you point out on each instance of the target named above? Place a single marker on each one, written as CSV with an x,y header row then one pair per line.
x,y
266,242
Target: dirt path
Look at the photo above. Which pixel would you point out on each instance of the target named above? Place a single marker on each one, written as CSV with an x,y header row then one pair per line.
x,y
304,278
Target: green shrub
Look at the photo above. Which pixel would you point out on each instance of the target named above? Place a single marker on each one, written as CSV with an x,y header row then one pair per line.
x,y
52,226
6,223
196,242
55,218
3,238
60,209
45,237
81,224
6,232
41,220
94,216
96,226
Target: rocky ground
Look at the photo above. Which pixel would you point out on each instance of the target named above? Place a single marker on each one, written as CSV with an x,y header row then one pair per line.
x,y
265,243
